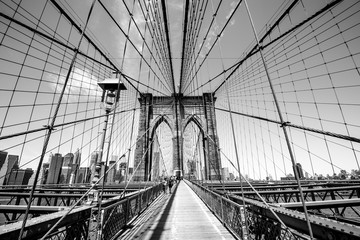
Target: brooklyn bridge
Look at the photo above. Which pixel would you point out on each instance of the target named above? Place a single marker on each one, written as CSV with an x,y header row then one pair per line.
x,y
168,119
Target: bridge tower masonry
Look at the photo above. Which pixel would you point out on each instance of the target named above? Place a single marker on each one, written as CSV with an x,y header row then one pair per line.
x,y
177,112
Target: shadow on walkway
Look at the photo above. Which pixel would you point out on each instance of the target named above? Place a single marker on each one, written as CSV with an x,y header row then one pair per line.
x,y
160,227
180,215
142,224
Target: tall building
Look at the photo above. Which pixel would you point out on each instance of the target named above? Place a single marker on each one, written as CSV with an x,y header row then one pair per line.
x,y
3,166
114,158
82,175
103,169
94,158
13,164
75,166
68,159
110,179
66,168
20,176
56,163
299,170
122,172
225,173
44,173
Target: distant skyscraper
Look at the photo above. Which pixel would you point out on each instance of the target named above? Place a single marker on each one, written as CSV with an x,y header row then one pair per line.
x,y
44,173
68,159
20,176
299,170
81,177
65,174
3,166
13,161
75,166
111,174
94,158
66,168
114,158
121,172
225,173
3,156
56,163
102,172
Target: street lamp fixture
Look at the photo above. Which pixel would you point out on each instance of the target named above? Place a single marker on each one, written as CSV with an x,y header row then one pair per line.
x,y
111,93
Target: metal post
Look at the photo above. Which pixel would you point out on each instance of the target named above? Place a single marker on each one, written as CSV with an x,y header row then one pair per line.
x,y
93,197
100,213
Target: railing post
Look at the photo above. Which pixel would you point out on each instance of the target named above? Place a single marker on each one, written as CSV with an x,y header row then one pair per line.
x,y
222,210
126,211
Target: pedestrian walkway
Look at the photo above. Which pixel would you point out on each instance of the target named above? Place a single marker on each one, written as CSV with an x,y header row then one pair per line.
x,y
181,215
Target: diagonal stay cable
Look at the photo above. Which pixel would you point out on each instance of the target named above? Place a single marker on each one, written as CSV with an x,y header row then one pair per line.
x,y
51,126
73,23
131,42
205,37
256,49
166,23
100,179
142,35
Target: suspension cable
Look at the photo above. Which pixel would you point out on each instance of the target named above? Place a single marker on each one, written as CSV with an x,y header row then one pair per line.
x,y
282,121
51,126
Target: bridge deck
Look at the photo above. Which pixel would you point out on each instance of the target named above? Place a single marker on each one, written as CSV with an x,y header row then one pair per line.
x,y
181,215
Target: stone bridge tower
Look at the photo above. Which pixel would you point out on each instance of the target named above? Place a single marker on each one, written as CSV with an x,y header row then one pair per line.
x,y
177,112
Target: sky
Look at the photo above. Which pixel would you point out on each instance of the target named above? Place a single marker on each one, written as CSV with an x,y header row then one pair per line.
x,y
315,72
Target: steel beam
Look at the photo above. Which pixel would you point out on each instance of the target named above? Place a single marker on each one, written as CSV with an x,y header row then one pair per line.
x,y
323,228
35,229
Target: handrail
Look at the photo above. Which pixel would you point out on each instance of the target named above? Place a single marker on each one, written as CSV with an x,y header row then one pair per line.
x,y
263,225
116,212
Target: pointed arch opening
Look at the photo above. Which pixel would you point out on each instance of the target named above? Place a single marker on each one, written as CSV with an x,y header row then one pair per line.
x,y
194,154
161,150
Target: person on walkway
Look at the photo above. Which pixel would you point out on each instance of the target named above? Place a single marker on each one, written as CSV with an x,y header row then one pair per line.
x,y
164,183
170,184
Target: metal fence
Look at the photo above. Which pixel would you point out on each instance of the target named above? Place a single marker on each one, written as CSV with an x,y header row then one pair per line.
x,y
118,215
242,222
80,223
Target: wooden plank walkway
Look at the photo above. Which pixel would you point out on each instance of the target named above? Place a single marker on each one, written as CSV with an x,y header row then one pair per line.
x,y
180,215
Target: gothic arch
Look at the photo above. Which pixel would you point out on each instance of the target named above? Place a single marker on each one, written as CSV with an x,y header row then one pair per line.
x,y
155,124
196,119
177,112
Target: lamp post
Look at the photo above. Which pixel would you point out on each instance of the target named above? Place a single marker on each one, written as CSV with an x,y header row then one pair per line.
x,y
111,93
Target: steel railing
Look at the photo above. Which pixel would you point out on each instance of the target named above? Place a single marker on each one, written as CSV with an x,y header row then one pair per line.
x,y
116,214
242,222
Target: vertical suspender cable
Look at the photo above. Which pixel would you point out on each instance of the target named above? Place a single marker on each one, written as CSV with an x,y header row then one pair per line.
x,y
244,235
237,156
51,126
293,161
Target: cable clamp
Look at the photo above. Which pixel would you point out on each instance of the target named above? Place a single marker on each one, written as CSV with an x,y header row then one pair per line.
x,y
284,124
48,127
